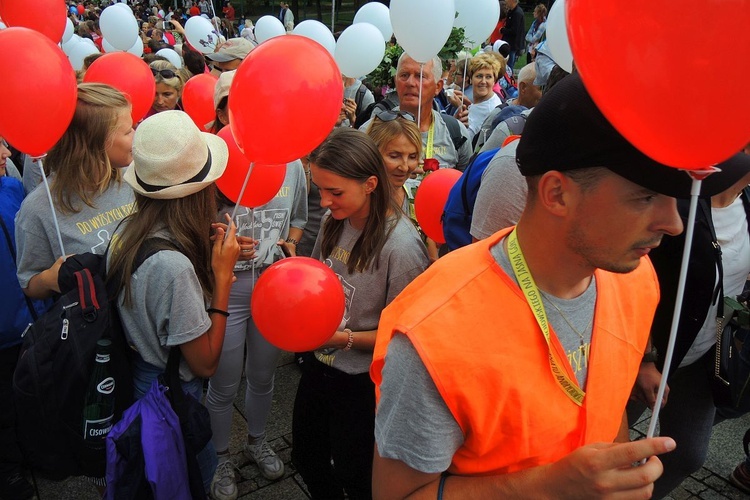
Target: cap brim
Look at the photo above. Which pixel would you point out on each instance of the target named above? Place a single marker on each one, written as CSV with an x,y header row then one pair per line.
x,y
219,158
219,57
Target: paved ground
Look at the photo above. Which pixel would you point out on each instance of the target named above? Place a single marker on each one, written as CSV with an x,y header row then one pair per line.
x,y
709,483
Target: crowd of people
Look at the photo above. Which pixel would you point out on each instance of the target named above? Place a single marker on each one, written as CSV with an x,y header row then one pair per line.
x,y
511,367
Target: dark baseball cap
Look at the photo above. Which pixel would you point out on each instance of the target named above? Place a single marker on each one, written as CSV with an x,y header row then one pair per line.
x,y
566,131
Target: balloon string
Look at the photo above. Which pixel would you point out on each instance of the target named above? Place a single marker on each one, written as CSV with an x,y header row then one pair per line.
x,y
333,14
242,191
419,106
252,235
694,193
52,208
463,84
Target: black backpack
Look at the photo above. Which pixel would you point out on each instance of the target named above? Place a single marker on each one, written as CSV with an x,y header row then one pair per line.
x,y
55,365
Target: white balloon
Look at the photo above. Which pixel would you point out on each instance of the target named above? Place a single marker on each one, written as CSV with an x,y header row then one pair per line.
x,y
72,42
137,48
315,30
123,6
359,49
68,30
378,15
3,26
171,56
557,36
422,26
119,27
268,27
478,18
201,34
89,41
107,47
78,53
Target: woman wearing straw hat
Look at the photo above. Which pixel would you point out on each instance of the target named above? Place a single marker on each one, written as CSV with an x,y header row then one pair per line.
x,y
177,297
88,194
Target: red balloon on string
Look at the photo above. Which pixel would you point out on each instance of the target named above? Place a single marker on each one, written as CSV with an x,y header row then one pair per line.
x,y
430,200
130,75
45,16
81,9
37,103
198,99
284,99
265,180
653,88
294,288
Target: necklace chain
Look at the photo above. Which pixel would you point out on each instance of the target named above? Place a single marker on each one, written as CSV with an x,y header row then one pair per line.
x,y
570,324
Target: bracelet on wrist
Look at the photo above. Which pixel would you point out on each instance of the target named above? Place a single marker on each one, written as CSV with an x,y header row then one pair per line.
x,y
212,310
350,342
650,356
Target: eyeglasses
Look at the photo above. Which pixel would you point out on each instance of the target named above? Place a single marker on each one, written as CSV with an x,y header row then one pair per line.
x,y
391,114
164,73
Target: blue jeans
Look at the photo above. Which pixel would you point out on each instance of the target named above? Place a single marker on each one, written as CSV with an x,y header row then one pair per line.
x,y
512,60
143,376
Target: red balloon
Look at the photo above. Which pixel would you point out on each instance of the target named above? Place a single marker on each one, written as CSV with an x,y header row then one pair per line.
x,y
295,288
81,9
198,99
285,99
130,75
430,200
654,89
45,16
265,180
37,103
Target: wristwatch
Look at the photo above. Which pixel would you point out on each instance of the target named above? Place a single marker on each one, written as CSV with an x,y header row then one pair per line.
x,y
650,356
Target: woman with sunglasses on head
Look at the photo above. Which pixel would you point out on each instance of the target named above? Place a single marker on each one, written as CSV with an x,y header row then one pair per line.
x,y
88,194
376,252
400,143
168,87
178,297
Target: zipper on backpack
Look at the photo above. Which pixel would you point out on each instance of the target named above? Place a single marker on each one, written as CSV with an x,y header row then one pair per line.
x,y
64,333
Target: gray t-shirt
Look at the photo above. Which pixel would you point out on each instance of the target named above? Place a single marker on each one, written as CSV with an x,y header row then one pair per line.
x,y
86,231
501,196
271,222
350,92
414,425
442,144
314,215
168,308
402,259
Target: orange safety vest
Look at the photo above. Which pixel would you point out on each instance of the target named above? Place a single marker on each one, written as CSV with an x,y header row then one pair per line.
x,y
478,338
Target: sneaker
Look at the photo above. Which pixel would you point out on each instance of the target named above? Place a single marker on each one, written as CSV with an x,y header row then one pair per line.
x,y
265,458
223,485
740,477
14,486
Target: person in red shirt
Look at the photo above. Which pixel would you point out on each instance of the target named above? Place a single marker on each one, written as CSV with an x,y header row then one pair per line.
x,y
194,10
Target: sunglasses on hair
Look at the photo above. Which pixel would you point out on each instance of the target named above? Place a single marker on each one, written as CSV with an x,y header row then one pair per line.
x,y
390,115
164,73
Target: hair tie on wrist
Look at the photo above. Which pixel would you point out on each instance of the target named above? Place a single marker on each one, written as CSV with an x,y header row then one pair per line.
x,y
211,310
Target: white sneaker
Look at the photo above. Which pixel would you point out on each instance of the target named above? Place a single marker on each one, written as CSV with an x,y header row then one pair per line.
x,y
265,458
223,485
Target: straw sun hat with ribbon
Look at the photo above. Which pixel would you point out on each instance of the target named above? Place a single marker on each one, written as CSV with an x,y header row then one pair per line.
x,y
172,158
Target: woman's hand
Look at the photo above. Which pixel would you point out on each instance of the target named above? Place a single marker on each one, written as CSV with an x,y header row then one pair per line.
x,y
247,247
226,250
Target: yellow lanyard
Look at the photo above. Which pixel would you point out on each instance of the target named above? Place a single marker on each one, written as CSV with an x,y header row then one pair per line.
x,y
430,140
534,298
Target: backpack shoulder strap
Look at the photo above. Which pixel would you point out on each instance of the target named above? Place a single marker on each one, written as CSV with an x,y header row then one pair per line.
x,y
454,129
149,247
360,96
516,124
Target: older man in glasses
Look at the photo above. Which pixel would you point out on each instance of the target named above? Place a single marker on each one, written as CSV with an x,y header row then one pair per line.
x,y
444,138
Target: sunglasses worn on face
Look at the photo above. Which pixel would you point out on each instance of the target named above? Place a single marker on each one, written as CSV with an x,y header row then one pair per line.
x,y
390,115
164,73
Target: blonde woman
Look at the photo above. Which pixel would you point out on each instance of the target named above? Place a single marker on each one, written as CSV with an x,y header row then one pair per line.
x,y
88,194
168,87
